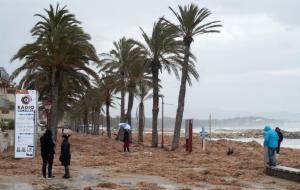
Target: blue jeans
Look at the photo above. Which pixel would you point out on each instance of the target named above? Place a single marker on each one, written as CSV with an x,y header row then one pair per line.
x,y
271,155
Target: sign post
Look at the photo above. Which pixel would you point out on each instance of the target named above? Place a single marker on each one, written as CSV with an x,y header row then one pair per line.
x,y
189,135
203,137
25,123
210,127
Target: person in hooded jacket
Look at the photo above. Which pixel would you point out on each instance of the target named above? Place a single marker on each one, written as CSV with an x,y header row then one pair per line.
x,y
271,142
47,153
65,155
279,133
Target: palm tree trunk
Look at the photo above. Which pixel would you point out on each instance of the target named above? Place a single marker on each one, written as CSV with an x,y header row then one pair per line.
x,y
93,121
181,98
155,108
123,93
123,103
108,121
85,121
54,102
98,121
130,105
53,113
141,123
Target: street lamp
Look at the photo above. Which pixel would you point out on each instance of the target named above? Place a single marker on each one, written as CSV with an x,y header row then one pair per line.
x,y
162,120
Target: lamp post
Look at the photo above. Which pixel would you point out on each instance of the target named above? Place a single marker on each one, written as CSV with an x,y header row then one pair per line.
x,y
162,120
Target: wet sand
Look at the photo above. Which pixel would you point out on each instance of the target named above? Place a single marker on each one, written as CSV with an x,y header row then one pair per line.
x,y
210,169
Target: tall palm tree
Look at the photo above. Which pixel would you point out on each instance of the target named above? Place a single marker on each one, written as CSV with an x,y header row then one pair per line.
x,y
161,51
60,45
191,23
107,87
125,60
143,92
137,74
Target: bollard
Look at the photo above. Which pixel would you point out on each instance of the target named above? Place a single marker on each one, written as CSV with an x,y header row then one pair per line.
x,y
189,135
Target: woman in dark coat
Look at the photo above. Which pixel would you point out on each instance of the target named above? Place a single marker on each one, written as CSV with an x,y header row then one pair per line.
x,y
47,152
65,155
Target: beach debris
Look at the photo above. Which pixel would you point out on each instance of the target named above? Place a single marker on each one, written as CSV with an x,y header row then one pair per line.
x,y
148,186
108,185
148,153
230,151
246,165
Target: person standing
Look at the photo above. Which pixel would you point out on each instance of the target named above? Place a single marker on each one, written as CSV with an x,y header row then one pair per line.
x,y
126,140
280,136
65,155
271,142
47,153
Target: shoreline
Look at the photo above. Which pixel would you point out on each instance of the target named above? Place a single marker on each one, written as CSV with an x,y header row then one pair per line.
x,y
291,139
230,133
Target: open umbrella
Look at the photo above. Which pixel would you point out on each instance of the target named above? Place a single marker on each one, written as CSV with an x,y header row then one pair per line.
x,y
125,126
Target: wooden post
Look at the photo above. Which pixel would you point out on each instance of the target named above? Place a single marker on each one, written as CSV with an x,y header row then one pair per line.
x,y
189,135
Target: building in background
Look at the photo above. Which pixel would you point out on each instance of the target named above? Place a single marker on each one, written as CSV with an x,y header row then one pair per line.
x,y
7,97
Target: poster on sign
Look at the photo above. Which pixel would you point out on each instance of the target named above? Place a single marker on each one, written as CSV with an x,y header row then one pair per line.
x,y
25,123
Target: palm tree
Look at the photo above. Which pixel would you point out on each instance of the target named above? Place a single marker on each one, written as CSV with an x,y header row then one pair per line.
x,y
191,23
107,87
161,51
116,61
137,74
125,60
88,104
61,45
142,94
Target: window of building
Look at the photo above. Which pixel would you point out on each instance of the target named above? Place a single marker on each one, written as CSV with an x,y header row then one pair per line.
x,y
5,111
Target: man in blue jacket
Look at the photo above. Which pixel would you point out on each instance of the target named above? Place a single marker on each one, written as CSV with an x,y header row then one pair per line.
x,y
271,142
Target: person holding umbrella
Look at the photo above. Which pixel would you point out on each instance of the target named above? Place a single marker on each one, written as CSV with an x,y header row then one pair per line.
x,y
126,136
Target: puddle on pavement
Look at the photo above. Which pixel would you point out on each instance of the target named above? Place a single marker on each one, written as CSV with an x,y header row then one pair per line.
x,y
92,177
85,177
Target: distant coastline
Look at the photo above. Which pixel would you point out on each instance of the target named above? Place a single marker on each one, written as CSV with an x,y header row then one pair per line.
x,y
237,123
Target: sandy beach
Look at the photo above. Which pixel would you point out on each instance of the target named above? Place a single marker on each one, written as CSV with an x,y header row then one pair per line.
x,y
210,169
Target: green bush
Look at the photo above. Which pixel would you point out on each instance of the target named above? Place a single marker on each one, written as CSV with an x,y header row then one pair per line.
x,y
10,125
2,126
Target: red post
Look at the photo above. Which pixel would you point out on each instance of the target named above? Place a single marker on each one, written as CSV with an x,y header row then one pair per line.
x,y
189,135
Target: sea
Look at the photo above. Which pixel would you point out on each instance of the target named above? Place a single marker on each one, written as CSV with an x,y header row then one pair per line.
x,y
288,143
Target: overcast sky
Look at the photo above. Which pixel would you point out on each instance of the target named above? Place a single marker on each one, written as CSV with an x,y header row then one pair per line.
x,y
253,65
